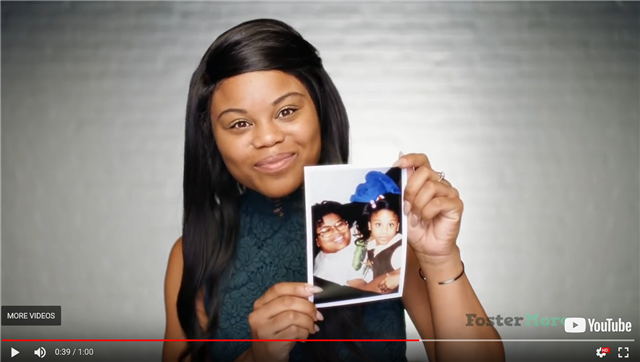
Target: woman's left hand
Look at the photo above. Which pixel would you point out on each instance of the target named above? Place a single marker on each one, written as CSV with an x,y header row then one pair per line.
x,y
433,208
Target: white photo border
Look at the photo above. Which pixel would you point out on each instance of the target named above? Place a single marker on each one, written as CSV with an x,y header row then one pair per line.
x,y
309,173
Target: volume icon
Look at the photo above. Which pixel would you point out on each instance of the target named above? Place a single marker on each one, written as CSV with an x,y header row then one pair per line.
x,y
40,352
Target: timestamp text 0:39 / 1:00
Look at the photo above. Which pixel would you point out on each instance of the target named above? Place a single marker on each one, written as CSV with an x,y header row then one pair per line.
x,y
73,351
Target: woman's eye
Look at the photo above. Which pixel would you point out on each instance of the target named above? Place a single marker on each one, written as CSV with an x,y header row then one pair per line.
x,y
240,124
286,112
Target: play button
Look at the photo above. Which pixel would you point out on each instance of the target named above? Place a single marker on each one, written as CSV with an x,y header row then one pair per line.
x,y
575,325
14,352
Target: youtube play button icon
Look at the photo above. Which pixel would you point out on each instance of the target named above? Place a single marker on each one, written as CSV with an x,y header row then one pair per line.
x,y
14,352
575,325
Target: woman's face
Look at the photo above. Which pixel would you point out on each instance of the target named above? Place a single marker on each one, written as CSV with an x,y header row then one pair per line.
x,y
266,128
384,226
333,234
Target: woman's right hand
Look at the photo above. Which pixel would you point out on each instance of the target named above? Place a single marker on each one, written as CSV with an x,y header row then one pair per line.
x,y
282,312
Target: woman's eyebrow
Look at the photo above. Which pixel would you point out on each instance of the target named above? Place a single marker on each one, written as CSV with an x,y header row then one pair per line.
x,y
285,96
278,100
231,110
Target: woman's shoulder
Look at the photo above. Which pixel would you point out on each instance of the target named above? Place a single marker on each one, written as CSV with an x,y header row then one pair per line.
x,y
176,248
173,275
173,280
174,265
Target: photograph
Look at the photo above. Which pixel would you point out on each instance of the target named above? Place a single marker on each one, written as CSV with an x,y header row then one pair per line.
x,y
356,233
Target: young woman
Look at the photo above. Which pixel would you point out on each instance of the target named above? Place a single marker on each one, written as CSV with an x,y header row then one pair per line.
x,y
260,108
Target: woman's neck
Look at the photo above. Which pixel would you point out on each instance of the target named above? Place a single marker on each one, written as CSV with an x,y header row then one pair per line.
x,y
294,202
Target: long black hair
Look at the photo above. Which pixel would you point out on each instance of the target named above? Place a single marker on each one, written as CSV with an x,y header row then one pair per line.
x,y
210,219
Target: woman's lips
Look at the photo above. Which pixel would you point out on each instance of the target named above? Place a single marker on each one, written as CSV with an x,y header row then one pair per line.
x,y
338,240
275,163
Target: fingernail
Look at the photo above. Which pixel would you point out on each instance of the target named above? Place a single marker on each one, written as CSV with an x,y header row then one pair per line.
x,y
313,289
406,206
319,316
400,154
317,328
398,163
413,220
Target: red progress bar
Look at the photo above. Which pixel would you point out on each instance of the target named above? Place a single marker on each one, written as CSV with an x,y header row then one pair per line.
x,y
210,340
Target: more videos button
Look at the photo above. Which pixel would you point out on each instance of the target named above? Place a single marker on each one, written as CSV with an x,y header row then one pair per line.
x,y
31,315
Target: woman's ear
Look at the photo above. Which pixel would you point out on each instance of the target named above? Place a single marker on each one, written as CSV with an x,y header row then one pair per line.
x,y
369,224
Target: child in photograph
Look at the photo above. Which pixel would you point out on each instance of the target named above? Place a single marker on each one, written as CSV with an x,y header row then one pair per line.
x,y
380,226
384,252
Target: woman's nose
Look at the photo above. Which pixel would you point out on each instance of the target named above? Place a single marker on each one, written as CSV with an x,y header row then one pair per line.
x,y
268,133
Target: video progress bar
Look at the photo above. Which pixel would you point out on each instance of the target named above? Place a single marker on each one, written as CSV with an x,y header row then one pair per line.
x,y
528,340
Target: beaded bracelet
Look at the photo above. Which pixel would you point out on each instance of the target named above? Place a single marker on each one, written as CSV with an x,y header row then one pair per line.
x,y
448,281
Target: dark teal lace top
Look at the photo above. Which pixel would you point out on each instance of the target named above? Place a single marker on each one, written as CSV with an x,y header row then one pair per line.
x,y
272,249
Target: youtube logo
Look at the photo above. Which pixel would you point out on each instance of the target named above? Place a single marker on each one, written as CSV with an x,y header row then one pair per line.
x,y
575,325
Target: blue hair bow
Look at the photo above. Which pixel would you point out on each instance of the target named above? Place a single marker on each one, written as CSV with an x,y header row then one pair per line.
x,y
376,184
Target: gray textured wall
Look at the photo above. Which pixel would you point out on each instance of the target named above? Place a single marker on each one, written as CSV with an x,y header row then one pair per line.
x,y
531,109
